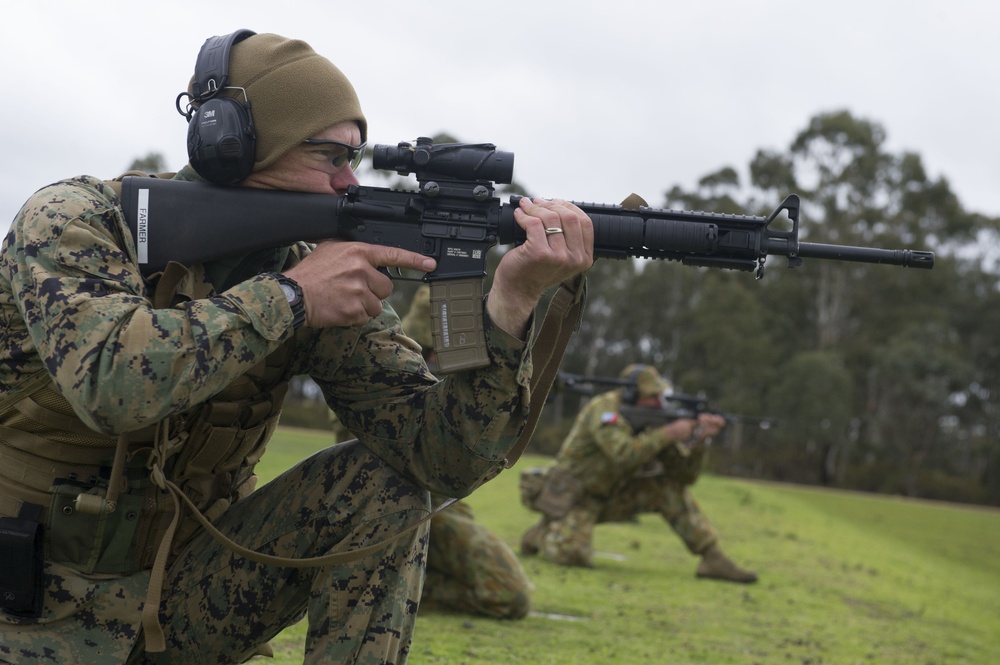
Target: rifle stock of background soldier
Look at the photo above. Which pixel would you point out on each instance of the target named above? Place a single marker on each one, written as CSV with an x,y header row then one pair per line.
x,y
674,406
455,218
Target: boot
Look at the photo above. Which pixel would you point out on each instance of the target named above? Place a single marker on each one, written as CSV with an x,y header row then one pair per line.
x,y
531,541
717,566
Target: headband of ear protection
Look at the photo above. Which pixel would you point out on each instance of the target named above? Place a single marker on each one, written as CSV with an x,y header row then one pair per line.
x,y
221,139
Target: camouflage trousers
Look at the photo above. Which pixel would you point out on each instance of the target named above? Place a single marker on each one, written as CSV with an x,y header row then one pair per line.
x,y
218,607
569,540
471,569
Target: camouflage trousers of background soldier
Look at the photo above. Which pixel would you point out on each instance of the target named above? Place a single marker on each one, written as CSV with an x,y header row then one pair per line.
x,y
471,569
568,540
218,607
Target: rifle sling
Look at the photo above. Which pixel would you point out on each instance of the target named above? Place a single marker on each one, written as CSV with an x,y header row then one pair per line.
x,y
562,319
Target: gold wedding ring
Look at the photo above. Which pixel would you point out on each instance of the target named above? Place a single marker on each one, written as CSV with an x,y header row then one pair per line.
x,y
553,229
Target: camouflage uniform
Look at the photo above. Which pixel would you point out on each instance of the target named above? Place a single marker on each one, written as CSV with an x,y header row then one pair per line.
x,y
469,568
616,474
77,313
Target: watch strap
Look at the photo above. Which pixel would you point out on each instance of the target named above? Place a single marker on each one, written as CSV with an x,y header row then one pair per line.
x,y
298,303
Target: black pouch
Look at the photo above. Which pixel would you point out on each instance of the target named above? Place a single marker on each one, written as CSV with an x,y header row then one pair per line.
x,y
22,550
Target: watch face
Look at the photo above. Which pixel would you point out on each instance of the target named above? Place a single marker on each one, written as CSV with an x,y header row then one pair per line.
x,y
290,294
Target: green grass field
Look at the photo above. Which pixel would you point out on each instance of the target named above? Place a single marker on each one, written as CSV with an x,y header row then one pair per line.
x,y
844,578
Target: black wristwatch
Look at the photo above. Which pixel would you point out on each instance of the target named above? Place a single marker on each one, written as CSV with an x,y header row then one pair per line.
x,y
293,293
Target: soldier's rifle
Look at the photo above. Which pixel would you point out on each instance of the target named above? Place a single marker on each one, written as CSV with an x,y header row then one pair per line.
x,y
673,406
455,218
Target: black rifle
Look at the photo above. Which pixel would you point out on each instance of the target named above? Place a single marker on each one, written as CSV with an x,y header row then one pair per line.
x,y
674,406
455,218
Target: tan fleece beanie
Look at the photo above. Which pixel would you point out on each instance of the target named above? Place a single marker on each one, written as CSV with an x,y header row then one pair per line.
x,y
294,93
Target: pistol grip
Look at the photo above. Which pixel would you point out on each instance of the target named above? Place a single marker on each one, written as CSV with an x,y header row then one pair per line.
x,y
457,324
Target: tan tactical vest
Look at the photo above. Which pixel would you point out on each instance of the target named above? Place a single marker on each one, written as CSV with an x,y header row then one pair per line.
x,y
103,508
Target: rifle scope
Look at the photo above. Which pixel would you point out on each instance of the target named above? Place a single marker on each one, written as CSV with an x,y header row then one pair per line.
x,y
456,161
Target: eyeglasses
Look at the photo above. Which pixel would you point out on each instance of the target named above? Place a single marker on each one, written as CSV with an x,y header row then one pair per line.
x,y
338,153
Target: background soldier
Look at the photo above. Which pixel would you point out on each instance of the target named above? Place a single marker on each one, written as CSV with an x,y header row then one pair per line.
x,y
605,472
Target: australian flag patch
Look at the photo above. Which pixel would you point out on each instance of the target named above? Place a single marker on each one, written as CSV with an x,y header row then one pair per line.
x,y
609,418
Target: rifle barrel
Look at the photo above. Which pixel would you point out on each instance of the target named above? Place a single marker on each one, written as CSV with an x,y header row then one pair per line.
x,y
908,258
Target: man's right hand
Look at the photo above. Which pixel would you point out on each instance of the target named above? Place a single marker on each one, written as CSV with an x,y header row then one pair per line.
x,y
342,284
707,425
681,429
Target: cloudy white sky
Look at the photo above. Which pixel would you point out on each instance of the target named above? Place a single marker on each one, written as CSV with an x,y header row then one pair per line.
x,y
596,99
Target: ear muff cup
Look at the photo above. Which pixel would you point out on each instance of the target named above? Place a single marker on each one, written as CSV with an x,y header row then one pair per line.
x,y
221,140
630,393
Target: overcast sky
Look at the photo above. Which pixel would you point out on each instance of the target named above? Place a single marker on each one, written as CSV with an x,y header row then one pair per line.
x,y
595,99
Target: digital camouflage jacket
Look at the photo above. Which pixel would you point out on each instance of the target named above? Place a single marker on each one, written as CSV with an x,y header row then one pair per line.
x,y
77,314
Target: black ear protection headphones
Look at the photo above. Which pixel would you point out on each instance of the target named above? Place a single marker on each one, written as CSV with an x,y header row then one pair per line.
x,y
221,140
630,392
